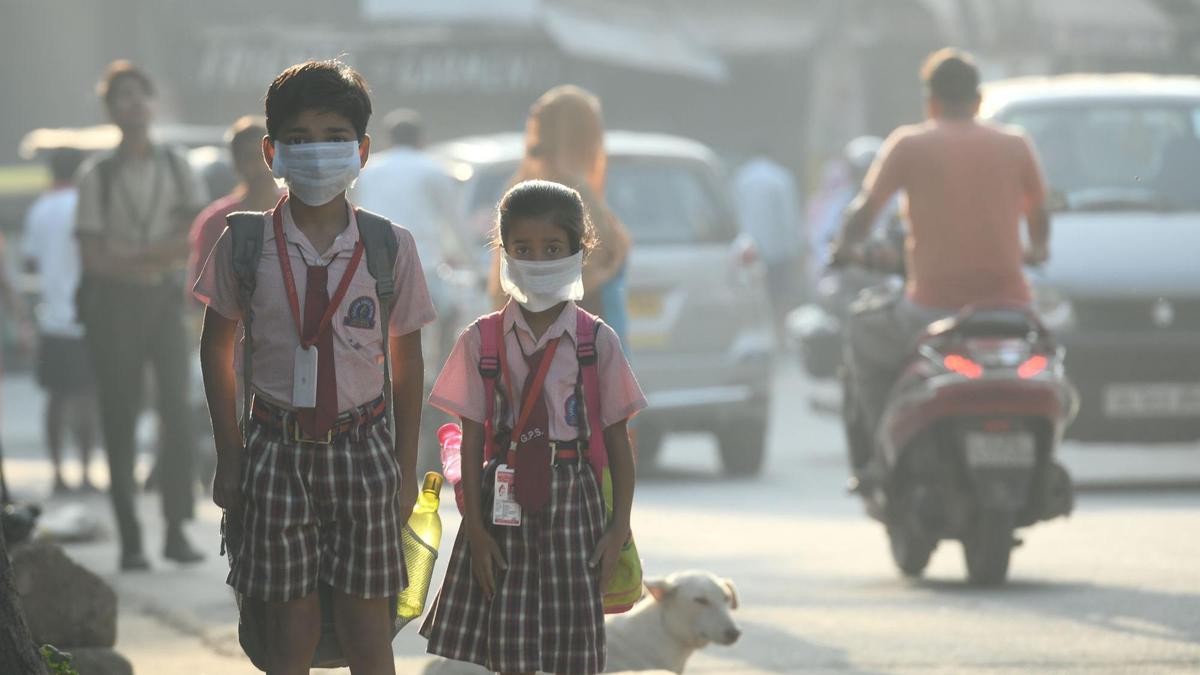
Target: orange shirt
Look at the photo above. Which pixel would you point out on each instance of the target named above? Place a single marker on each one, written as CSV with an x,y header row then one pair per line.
x,y
967,185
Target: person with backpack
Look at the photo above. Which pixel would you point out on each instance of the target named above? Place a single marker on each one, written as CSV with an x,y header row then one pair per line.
x,y
135,206
544,393
321,478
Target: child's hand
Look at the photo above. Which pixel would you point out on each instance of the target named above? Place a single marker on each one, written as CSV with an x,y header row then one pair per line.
x,y
227,483
486,558
608,552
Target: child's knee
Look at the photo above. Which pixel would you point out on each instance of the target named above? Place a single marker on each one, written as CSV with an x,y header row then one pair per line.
x,y
293,630
362,619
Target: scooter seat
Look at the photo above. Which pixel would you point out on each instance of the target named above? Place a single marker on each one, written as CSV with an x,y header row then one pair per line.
x,y
987,322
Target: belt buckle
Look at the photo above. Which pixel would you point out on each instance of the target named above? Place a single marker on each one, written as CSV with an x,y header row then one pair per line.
x,y
328,440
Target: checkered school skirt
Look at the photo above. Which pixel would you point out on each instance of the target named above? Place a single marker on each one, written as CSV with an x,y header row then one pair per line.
x,y
548,612
318,512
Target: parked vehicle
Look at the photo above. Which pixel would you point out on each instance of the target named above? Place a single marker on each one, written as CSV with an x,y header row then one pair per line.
x,y
1122,288
965,447
700,323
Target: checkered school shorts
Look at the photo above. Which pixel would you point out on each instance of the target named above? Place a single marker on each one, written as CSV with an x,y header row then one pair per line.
x,y
319,512
548,612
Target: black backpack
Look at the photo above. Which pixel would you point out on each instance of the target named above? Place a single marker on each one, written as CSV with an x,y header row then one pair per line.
x,y
380,249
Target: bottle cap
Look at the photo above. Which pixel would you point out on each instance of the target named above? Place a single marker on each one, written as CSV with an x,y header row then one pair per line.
x,y
447,432
433,482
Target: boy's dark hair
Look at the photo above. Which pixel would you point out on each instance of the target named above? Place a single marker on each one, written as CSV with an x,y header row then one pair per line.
x,y
951,77
543,198
119,70
245,136
404,126
326,86
64,163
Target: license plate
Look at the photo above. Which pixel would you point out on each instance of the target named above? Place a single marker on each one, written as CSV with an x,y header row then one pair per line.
x,y
1009,450
645,305
1166,399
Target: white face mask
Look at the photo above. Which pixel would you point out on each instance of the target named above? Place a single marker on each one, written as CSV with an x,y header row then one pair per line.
x,y
317,172
539,285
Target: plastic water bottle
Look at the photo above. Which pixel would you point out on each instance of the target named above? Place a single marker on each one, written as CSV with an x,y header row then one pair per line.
x,y
420,538
450,436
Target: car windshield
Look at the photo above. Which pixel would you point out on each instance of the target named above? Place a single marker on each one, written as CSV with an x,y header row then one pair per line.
x,y
1110,156
662,202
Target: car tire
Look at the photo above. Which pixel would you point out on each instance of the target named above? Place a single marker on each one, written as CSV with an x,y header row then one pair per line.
x,y
743,446
649,441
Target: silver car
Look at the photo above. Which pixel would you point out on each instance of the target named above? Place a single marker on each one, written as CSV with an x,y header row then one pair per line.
x,y
700,329
1122,288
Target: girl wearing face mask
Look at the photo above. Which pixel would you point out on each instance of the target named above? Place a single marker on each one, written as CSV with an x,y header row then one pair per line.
x,y
564,143
523,591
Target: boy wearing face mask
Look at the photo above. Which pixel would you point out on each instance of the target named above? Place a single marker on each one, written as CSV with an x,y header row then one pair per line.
x,y
535,551
322,487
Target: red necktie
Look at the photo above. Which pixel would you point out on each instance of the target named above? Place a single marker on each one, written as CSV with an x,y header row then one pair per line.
x,y
315,422
531,483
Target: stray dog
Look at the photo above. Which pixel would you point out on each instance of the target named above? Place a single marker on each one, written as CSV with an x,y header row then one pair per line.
x,y
681,613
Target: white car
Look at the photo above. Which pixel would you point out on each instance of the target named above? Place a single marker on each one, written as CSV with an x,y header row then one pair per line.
x,y
1122,287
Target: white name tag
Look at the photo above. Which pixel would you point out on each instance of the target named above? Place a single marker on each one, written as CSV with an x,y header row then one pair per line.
x,y
505,510
304,378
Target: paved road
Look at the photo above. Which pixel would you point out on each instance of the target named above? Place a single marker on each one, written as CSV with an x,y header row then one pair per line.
x,y
1113,589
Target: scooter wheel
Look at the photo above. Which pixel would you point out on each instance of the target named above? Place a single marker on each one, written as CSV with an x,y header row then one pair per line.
x,y
988,548
910,549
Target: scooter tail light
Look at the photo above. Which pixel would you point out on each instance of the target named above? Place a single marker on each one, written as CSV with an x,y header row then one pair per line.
x,y
1033,366
957,363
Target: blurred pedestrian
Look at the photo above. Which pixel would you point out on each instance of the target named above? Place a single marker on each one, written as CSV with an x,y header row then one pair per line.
x,y
318,485
64,367
840,183
411,189
14,324
769,211
255,191
135,206
564,143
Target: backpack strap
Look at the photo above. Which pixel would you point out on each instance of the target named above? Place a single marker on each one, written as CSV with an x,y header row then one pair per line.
x,y
381,248
246,229
491,336
586,325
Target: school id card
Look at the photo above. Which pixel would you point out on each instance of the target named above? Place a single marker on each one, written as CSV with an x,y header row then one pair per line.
x,y
304,378
505,509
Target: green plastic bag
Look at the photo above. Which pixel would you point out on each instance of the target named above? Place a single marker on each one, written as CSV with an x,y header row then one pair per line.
x,y
626,587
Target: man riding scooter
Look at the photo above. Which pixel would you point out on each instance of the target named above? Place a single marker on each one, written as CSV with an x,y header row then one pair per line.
x,y
967,184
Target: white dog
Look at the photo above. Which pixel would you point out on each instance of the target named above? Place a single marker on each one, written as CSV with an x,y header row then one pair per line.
x,y
681,613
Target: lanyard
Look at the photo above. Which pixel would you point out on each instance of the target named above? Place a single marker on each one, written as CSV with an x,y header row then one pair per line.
x,y
535,388
289,282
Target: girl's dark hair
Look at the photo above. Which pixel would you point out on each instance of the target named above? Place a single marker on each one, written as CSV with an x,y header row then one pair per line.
x,y
543,198
325,86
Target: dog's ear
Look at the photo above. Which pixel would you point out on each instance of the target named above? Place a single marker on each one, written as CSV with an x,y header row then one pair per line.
x,y
730,593
659,588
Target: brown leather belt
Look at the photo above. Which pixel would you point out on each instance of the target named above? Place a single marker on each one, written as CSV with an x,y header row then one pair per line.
x,y
283,421
564,451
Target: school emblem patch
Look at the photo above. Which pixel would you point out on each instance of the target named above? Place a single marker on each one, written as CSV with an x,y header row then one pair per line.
x,y
361,313
571,410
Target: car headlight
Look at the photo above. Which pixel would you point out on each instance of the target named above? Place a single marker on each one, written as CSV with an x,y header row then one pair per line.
x,y
1054,308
